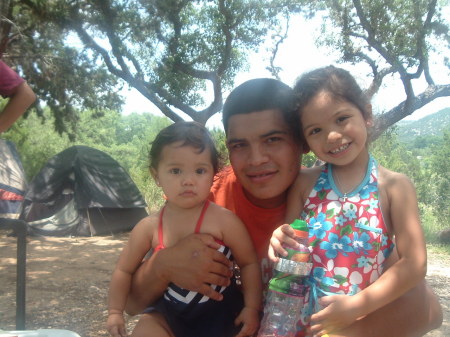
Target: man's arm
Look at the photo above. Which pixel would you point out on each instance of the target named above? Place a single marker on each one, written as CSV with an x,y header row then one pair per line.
x,y
193,263
18,103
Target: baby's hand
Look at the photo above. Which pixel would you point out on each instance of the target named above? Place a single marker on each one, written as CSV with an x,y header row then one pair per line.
x,y
340,311
116,325
249,317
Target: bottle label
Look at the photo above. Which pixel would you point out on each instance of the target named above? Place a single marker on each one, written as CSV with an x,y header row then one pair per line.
x,y
299,255
288,284
294,267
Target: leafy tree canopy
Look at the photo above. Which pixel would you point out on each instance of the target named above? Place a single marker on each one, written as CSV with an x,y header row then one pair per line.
x,y
405,38
175,51
169,50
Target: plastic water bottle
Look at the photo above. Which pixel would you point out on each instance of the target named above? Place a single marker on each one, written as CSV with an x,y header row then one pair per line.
x,y
285,297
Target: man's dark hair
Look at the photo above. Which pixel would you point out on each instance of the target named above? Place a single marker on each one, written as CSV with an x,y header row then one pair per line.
x,y
262,94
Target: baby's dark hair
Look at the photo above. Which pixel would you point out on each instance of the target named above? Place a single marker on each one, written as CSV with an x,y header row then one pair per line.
x,y
337,82
189,134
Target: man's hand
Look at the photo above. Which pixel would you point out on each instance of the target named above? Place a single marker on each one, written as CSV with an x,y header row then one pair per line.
x,y
194,263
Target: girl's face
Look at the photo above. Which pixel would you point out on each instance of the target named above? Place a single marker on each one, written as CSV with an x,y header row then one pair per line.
x,y
335,130
184,174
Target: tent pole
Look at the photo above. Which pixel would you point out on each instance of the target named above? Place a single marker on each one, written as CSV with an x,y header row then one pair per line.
x,y
112,234
89,221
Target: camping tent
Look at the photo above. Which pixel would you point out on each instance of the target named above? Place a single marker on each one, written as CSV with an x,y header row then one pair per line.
x,y
12,181
82,191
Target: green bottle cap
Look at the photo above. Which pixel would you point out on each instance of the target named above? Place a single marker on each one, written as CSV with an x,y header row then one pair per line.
x,y
300,225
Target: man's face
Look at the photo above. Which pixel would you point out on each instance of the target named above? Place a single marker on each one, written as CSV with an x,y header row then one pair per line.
x,y
264,156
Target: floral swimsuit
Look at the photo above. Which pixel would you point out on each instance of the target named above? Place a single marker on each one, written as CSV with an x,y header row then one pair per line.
x,y
348,235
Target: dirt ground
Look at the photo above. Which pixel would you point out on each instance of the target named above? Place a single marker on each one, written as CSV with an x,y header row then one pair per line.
x,y
67,283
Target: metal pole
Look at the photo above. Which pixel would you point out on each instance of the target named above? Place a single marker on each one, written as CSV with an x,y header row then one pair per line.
x,y
21,230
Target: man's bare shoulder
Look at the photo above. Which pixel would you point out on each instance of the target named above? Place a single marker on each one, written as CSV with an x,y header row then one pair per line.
x,y
221,213
307,178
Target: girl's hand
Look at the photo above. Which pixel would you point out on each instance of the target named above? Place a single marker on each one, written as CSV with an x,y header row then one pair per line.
x,y
249,318
116,325
339,312
283,235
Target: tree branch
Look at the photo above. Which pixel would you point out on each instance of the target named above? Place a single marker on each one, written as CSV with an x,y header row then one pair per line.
x,y
377,81
274,70
391,59
404,109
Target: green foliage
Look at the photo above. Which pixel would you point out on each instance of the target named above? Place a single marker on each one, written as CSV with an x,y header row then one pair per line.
x,y
36,141
395,31
65,77
439,249
125,138
309,160
423,133
430,224
407,39
429,172
391,154
183,55
432,150
439,191
128,138
78,54
221,145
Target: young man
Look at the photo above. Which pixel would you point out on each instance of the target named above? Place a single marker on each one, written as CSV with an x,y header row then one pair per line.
x,y
265,153
21,96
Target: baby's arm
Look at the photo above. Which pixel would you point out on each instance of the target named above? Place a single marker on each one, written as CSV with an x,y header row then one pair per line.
x,y
139,243
407,272
236,237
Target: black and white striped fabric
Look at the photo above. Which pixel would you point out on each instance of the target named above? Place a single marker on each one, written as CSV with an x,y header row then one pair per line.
x,y
185,297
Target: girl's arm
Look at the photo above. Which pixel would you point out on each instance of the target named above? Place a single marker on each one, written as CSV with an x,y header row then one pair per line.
x,y
236,237
139,243
298,192
407,272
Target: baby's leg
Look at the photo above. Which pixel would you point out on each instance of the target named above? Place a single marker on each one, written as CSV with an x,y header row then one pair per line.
x,y
152,324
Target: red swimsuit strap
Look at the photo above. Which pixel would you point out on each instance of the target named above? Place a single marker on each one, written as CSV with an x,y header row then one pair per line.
x,y
160,225
160,231
200,218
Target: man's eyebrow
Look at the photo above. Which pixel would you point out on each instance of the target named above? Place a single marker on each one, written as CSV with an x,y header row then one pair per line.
x,y
274,132
235,140
265,135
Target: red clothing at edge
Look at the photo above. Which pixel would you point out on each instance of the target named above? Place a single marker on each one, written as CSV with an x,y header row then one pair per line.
x,y
9,80
260,222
